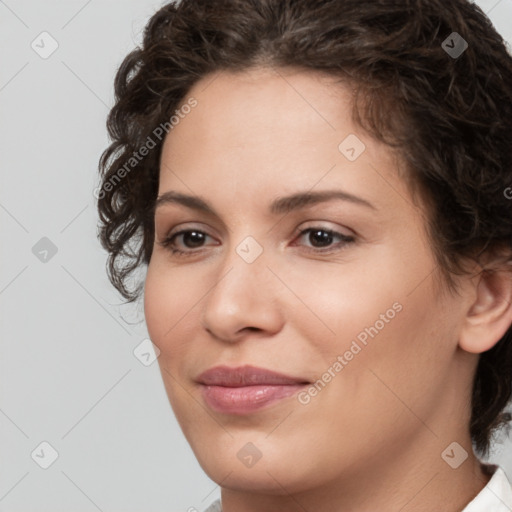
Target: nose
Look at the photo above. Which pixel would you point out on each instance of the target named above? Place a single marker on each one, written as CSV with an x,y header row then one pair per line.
x,y
244,298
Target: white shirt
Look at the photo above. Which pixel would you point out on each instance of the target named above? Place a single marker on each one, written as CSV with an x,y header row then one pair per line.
x,y
496,496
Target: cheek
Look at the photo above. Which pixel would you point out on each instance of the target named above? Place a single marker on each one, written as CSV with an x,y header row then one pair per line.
x,y
339,302
156,304
381,315
169,300
171,320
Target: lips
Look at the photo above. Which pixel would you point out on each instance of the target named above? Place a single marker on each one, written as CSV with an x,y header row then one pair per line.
x,y
245,389
245,376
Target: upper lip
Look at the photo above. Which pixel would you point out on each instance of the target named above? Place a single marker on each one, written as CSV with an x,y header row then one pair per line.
x,y
246,376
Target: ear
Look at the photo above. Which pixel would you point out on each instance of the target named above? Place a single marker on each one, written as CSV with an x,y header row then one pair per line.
x,y
490,315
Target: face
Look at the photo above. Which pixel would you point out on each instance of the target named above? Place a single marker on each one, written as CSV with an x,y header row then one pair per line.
x,y
332,289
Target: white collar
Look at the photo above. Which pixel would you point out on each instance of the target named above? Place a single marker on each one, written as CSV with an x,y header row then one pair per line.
x,y
496,496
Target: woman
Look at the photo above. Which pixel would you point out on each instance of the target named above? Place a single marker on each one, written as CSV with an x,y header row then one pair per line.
x,y
318,191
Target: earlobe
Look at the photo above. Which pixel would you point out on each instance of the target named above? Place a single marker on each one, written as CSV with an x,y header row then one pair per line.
x,y
490,316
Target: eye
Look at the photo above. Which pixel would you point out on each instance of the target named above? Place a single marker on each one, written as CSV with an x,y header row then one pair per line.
x,y
188,239
322,239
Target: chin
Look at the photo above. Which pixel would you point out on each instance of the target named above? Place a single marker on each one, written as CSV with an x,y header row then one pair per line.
x,y
237,463
266,478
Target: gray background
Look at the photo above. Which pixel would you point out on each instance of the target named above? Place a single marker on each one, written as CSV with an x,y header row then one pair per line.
x,y
68,372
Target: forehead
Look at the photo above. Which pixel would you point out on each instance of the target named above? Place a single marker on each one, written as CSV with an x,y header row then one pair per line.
x,y
273,131
290,103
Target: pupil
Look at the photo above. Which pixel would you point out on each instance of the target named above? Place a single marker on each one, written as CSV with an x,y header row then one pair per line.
x,y
194,237
325,239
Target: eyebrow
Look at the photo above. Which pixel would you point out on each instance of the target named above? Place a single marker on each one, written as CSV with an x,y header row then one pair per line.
x,y
281,205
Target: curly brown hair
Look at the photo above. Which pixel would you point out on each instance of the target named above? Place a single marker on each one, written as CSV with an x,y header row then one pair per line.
x,y
445,107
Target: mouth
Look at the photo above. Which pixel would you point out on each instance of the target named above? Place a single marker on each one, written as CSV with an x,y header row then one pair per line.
x,y
246,389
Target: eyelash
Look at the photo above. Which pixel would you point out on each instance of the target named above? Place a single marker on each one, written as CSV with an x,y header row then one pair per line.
x,y
168,243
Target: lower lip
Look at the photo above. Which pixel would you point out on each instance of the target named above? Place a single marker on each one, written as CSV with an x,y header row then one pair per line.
x,y
246,399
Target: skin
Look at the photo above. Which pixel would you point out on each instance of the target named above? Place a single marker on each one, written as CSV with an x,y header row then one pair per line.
x,y
372,438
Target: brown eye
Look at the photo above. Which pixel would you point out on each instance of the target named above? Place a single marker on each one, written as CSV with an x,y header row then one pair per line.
x,y
192,239
179,242
321,238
